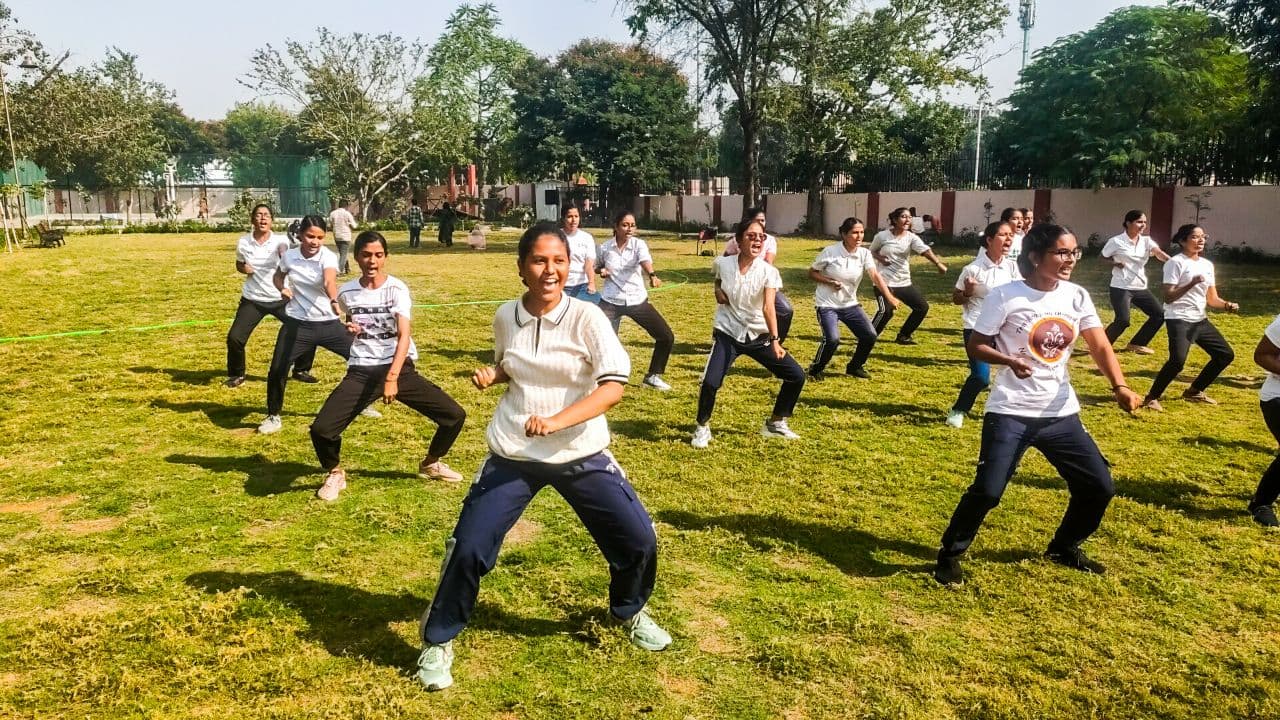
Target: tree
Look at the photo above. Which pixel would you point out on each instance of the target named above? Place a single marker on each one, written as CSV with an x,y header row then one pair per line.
x,y
470,75
1255,24
360,108
255,133
746,38
1096,107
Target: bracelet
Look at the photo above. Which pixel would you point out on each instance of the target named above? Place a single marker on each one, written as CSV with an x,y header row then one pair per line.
x,y
1122,385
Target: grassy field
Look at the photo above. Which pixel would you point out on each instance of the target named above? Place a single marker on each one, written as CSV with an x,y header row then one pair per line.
x,y
161,560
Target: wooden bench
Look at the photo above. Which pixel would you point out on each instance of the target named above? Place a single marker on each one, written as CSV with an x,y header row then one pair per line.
x,y
50,237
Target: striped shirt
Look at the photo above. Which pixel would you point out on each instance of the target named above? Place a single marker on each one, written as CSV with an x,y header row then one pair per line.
x,y
553,361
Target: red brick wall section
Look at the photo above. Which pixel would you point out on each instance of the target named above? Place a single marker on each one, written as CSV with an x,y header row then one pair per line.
x,y
948,213
1161,225
1042,204
873,212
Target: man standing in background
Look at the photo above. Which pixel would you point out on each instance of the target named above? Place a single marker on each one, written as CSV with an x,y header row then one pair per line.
x,y
342,222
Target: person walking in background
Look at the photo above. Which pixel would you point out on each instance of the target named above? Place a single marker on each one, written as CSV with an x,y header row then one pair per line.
x,y
378,311
1128,253
836,273
1189,287
992,269
342,222
892,251
448,220
582,257
624,263
257,254
563,368
782,306
745,324
414,220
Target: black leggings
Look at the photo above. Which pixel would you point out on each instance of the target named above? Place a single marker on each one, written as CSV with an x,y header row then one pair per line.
x,y
1269,485
647,317
248,315
1146,302
1182,333
297,338
910,297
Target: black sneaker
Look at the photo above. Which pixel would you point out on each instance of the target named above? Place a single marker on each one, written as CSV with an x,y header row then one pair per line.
x,y
303,376
1075,559
858,372
816,376
233,382
947,571
1265,516
905,341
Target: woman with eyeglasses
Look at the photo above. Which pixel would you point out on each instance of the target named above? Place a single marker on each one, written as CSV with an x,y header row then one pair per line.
x,y
1190,287
892,251
1128,253
1029,328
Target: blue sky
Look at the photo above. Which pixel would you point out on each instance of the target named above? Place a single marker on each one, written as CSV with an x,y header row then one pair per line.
x,y
200,49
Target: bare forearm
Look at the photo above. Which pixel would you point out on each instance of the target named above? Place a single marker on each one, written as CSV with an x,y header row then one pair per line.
x,y
597,403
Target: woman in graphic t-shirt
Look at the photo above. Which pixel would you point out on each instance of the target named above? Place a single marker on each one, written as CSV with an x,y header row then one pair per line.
x,y
1128,253
381,365
1267,356
582,257
1190,287
1028,328
892,251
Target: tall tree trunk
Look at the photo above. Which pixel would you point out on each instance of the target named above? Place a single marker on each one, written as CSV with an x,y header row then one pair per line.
x,y
750,124
813,212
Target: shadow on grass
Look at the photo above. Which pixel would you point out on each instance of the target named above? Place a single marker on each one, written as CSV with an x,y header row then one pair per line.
x,y
229,417
477,358
185,376
263,477
918,361
917,413
1181,497
1221,444
851,550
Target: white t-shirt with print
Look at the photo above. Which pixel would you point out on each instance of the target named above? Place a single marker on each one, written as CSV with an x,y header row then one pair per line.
x,y
625,284
306,278
1271,386
1133,255
897,250
1041,328
376,311
1179,271
581,247
989,275
846,267
341,222
770,247
263,257
743,318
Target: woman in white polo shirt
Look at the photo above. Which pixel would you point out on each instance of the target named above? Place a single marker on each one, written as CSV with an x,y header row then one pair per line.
x,y
1029,328
381,365
1267,356
624,262
1190,287
746,323
257,254
1128,253
563,367
892,251
311,321
582,257
990,270
781,305
836,273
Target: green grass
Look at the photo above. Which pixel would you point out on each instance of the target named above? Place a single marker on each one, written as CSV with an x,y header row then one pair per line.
x,y
158,559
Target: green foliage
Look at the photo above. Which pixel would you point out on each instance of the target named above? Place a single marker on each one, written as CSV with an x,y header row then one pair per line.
x,y
240,212
1095,107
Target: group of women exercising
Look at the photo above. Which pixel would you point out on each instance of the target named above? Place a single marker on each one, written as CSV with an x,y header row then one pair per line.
x,y
558,356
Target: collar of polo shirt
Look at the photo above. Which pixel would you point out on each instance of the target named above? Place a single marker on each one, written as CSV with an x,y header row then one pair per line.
x,y
524,317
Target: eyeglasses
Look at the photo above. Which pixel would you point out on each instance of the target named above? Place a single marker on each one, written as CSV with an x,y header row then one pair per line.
x,y
753,236
1064,253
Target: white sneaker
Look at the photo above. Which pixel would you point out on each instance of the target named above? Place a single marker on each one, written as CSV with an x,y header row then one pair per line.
x,y
271,425
644,633
778,429
433,666
656,382
334,483
369,412
955,418
701,436
438,471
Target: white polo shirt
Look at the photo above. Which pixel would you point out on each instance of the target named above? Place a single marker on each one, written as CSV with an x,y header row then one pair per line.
x,y
1179,271
263,257
581,247
625,284
1041,328
553,361
897,250
1133,255
743,318
1271,386
770,247
846,267
306,278
1015,248
989,275
376,311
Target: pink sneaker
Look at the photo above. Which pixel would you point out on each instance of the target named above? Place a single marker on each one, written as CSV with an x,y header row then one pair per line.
x,y
334,483
439,471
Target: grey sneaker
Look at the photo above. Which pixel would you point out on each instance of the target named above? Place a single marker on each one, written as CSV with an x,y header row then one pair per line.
x,y
271,425
778,429
701,436
369,412
334,483
644,633
433,666
955,419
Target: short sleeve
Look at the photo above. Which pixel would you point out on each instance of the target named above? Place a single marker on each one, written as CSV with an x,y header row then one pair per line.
x,y
731,246
821,262
966,273
1088,313
770,245
868,263
500,338
1110,248
282,265
993,313
240,254
715,269
1210,275
328,261
1171,271
642,252
609,359
877,242
1272,332
918,245
1152,245
401,302
772,278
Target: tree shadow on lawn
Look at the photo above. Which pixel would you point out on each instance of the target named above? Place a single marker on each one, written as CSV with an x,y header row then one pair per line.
x,y
1219,443
852,551
1171,494
908,411
918,361
350,622
263,477
228,417
189,377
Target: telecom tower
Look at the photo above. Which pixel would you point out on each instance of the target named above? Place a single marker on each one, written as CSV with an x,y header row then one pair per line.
x,y
1026,20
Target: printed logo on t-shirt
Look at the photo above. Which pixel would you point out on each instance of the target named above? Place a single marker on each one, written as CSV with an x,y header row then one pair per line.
x,y
1050,338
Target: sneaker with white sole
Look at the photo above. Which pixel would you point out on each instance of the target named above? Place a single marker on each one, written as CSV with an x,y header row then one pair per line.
x,y
701,436
334,483
778,429
433,666
955,419
271,425
644,633
369,412
438,471
656,382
